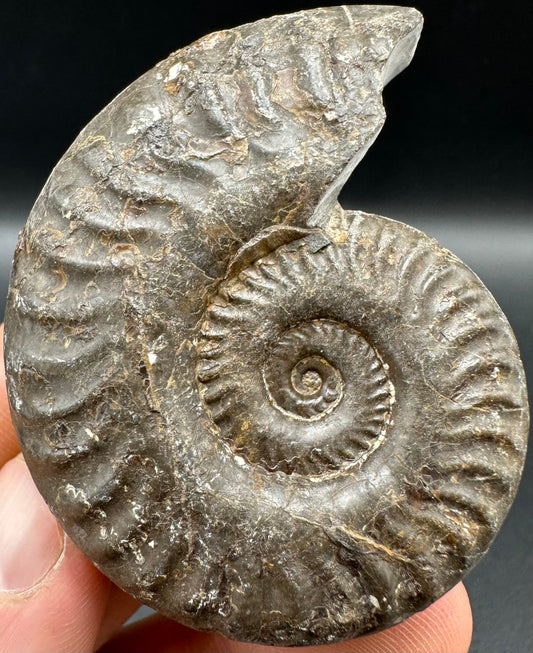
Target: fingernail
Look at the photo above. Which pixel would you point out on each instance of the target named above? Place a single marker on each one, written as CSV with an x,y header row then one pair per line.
x,y
30,538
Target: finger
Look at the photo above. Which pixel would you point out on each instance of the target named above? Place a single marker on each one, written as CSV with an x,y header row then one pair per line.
x,y
444,627
51,597
120,607
9,446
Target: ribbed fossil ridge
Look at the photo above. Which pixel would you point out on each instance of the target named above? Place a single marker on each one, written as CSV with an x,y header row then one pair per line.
x,y
248,383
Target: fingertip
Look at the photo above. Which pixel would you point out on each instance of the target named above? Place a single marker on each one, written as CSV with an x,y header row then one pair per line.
x,y
31,541
51,598
120,606
443,627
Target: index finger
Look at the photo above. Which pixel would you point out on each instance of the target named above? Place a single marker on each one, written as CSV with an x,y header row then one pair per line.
x,y
9,446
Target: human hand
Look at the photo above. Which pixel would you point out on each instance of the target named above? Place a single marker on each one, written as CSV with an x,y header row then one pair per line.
x,y
52,599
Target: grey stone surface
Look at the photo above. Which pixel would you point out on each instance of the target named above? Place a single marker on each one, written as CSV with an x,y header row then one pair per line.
x,y
187,252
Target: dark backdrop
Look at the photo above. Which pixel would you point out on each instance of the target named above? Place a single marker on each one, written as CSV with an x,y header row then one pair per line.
x,y
455,158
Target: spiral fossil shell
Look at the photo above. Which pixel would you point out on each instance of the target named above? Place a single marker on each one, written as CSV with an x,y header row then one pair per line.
x,y
253,410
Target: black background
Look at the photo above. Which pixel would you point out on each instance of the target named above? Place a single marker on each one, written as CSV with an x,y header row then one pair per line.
x,y
455,159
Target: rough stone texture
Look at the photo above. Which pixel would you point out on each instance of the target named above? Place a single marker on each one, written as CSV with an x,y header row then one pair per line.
x,y
255,411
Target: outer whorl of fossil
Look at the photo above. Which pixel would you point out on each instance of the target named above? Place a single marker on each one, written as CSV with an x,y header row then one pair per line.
x,y
257,412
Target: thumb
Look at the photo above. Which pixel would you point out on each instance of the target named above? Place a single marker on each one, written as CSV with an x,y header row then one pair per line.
x,y
51,597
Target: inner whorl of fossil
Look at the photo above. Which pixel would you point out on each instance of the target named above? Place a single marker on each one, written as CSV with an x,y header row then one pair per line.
x,y
307,387
311,401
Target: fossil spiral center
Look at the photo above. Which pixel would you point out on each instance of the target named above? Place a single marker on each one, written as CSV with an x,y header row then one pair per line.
x,y
309,383
286,386
309,399
305,378
309,388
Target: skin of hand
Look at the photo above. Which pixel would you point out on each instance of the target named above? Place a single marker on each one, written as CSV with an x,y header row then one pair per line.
x,y
53,600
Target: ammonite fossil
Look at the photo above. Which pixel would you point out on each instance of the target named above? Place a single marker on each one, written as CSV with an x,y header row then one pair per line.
x,y
253,410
